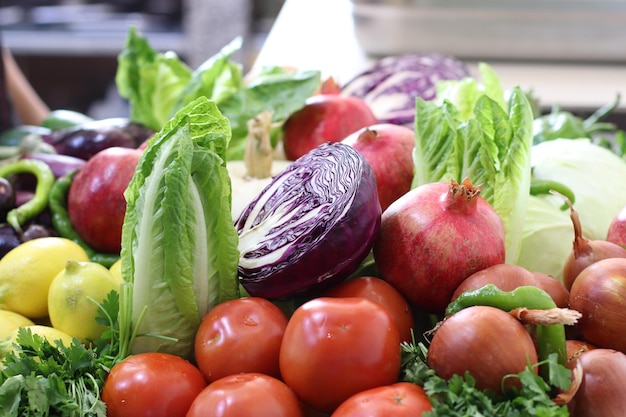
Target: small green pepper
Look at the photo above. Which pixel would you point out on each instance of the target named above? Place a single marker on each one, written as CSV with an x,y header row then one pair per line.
x,y
550,338
539,187
60,220
45,179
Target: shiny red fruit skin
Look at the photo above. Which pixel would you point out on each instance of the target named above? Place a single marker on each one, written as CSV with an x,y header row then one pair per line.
x,y
324,118
152,384
95,203
426,248
388,148
617,229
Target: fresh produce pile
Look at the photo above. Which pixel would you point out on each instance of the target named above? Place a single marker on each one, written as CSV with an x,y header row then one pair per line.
x,y
277,245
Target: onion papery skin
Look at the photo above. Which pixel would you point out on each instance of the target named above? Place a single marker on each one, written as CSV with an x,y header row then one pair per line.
x,y
596,251
508,277
599,294
575,348
311,226
485,341
431,239
602,392
554,287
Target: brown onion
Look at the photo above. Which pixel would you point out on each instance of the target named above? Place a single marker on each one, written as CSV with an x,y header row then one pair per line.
x,y
575,348
554,287
508,277
599,294
484,341
585,252
602,392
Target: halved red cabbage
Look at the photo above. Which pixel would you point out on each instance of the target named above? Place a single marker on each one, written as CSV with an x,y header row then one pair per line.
x,y
391,84
311,226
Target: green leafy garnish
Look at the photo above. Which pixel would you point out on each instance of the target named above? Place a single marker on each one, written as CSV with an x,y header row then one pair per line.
x,y
40,379
459,397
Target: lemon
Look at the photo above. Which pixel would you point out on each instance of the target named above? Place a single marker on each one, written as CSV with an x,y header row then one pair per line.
x,y
73,297
48,333
116,270
27,270
10,320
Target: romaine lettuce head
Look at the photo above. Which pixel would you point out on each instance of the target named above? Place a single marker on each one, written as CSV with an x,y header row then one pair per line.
x,y
472,131
592,172
179,245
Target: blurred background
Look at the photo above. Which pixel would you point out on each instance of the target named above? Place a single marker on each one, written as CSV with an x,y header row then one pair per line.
x,y
571,52
68,48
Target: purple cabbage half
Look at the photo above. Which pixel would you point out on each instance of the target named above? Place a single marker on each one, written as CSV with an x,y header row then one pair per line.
x,y
311,226
391,85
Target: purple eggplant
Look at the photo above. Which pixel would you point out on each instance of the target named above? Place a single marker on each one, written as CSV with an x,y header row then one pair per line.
x,y
85,140
7,197
8,239
58,163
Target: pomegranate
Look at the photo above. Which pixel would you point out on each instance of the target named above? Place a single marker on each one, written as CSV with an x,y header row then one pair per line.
x,y
389,150
324,118
434,237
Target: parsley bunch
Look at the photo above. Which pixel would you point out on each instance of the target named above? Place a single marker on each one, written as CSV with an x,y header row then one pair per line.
x,y
39,379
459,397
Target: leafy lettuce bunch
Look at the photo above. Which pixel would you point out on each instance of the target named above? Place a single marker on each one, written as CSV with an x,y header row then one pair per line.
x,y
158,85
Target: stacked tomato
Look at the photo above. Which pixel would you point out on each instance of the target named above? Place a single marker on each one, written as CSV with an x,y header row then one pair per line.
x,y
333,355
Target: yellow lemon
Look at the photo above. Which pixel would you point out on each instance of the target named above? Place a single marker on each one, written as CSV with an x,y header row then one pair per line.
x,y
10,320
74,296
48,333
27,270
116,270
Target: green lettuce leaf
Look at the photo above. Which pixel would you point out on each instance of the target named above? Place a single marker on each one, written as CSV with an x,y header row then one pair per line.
x,y
151,81
491,146
157,85
275,89
179,245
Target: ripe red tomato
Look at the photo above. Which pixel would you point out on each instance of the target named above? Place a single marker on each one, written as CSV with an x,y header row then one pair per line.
x,y
383,293
246,395
241,335
152,384
401,399
336,347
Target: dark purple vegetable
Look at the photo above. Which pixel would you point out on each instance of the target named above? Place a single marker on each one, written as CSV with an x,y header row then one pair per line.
x,y
58,163
35,231
391,84
86,140
8,239
7,198
311,226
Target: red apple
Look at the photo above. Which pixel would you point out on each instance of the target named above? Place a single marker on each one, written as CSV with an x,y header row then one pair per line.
x,y
324,118
95,202
389,150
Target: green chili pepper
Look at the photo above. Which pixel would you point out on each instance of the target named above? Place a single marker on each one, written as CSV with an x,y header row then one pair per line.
x,y
550,339
539,187
60,220
45,179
